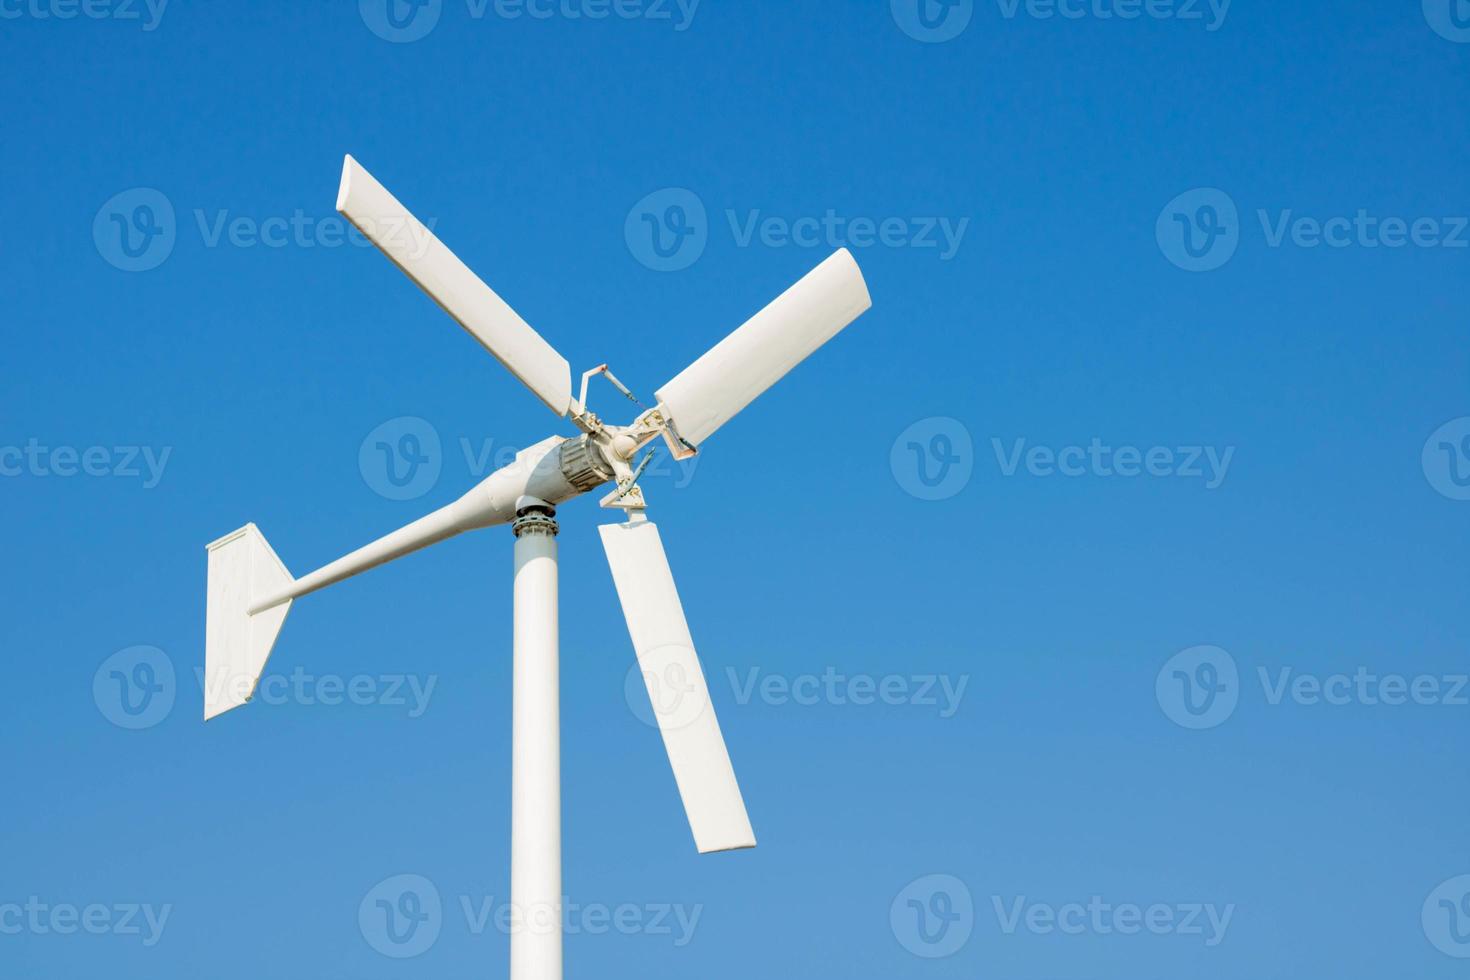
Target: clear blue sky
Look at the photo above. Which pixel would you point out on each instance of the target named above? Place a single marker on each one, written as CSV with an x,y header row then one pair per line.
x,y
1132,206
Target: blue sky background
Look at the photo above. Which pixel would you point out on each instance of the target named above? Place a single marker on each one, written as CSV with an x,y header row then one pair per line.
x,y
802,543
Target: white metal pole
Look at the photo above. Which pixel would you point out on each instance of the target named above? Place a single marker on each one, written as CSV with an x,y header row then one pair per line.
x,y
535,825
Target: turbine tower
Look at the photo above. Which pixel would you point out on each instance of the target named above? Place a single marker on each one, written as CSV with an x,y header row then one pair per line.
x,y
250,591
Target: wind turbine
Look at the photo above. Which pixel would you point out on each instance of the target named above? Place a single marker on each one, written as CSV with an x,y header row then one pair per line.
x,y
250,591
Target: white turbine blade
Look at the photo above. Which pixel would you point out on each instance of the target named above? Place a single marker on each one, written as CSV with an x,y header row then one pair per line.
x,y
450,283
709,392
676,685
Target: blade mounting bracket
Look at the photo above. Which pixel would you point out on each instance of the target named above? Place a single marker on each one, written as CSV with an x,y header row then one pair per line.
x,y
629,495
583,416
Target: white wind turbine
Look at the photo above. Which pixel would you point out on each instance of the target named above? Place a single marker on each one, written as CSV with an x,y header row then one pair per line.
x,y
250,590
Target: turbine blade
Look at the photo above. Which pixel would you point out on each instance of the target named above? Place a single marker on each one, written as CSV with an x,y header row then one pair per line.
x,y
450,283
676,685
732,374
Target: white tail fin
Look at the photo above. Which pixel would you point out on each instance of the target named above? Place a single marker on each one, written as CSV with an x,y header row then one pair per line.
x,y
242,570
